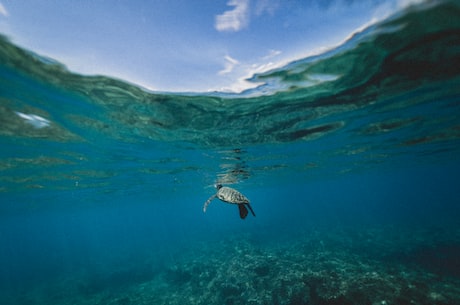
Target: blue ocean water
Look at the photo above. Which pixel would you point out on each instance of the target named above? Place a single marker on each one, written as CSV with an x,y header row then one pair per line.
x,y
350,160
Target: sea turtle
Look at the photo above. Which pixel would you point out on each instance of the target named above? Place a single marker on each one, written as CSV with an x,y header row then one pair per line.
x,y
229,195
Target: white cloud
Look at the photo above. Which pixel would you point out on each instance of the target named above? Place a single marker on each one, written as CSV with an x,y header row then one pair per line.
x,y
240,72
230,64
235,19
3,10
266,6
271,54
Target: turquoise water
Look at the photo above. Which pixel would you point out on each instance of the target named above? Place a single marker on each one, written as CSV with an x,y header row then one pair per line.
x,y
350,160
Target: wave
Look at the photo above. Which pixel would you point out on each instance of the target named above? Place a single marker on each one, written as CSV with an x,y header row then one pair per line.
x,y
393,57
390,89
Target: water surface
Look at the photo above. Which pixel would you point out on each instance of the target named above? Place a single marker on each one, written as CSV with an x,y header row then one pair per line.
x,y
350,160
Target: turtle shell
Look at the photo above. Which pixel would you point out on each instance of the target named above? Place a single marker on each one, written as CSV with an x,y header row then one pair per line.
x,y
230,195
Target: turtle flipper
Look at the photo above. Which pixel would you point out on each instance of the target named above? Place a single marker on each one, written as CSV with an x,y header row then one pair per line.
x,y
205,206
243,211
250,209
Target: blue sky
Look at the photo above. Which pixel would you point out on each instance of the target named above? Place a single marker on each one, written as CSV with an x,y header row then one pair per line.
x,y
185,45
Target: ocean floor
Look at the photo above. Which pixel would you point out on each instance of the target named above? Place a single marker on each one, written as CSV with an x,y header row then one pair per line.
x,y
378,265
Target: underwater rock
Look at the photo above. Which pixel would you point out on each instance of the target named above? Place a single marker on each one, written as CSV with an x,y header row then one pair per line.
x,y
229,290
262,270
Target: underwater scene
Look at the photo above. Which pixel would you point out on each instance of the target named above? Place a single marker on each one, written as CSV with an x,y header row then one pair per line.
x,y
335,181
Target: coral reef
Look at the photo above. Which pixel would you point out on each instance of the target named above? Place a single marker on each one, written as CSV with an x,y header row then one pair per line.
x,y
379,266
320,267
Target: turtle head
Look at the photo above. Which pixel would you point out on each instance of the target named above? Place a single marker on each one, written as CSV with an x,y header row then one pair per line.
x,y
218,186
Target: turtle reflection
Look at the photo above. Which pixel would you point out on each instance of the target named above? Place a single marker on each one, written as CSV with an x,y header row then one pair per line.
x,y
234,171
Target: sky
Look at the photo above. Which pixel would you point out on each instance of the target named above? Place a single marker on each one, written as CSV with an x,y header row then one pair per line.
x,y
185,45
